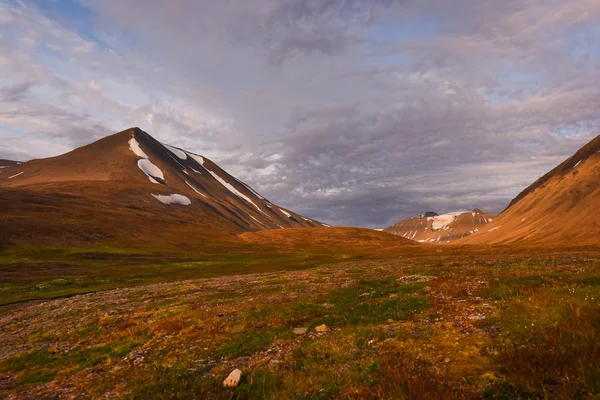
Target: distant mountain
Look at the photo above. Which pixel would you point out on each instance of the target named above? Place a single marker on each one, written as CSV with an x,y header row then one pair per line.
x,y
433,228
562,205
7,163
93,192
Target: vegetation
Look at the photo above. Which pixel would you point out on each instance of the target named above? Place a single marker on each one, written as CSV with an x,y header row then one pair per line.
x,y
443,326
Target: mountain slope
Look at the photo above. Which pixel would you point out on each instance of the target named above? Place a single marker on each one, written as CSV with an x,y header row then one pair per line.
x,y
133,176
6,164
560,206
433,228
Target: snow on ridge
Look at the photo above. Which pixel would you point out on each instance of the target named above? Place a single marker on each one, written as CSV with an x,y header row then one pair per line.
x,y
182,155
14,176
135,147
233,190
256,220
442,221
151,170
195,190
173,199
493,229
199,159
285,213
579,162
250,189
325,225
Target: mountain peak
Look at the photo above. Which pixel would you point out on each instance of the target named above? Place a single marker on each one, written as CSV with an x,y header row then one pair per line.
x,y
560,205
155,177
430,227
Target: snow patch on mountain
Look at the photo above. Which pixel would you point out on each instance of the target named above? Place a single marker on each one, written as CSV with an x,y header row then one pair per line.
x,y
250,189
233,190
178,152
442,221
135,147
173,199
194,189
14,176
198,158
151,170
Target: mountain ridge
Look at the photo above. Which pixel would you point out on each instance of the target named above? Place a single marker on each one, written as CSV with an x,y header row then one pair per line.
x,y
132,172
431,227
559,206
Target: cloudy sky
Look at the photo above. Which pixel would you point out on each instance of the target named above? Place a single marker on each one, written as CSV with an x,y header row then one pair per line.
x,y
355,112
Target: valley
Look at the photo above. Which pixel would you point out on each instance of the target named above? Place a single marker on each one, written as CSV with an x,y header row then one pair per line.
x,y
438,322
159,275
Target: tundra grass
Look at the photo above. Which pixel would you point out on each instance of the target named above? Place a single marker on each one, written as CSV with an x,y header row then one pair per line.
x,y
525,328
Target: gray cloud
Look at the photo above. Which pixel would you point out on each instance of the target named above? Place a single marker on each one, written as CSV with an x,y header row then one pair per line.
x,y
352,111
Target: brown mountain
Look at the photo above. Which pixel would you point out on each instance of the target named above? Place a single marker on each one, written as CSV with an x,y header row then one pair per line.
x,y
560,206
130,187
7,163
433,228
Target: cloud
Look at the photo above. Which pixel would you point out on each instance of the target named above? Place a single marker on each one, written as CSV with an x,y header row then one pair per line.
x,y
355,112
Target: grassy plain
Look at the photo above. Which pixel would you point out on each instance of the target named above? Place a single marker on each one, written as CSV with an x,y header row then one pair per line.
x,y
405,321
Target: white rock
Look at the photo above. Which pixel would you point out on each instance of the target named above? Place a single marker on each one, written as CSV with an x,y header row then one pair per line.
x,y
233,379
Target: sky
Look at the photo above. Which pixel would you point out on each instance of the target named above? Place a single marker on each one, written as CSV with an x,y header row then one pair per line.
x,y
353,112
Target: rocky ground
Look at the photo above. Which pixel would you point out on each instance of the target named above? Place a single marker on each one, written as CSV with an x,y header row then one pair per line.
x,y
396,328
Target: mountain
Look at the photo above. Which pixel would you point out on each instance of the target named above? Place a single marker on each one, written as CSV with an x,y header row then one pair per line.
x,y
129,186
560,206
7,163
433,228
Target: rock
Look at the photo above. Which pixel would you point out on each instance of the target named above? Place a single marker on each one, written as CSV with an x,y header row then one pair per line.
x,y
447,360
322,328
233,379
390,321
405,280
300,331
6,382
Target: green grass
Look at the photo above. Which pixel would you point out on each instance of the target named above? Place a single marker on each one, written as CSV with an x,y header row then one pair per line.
x,y
539,338
36,273
349,306
552,338
43,365
251,341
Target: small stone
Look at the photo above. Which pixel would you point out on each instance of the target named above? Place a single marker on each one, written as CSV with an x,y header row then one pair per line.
x,y
233,379
447,360
390,321
322,328
300,331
